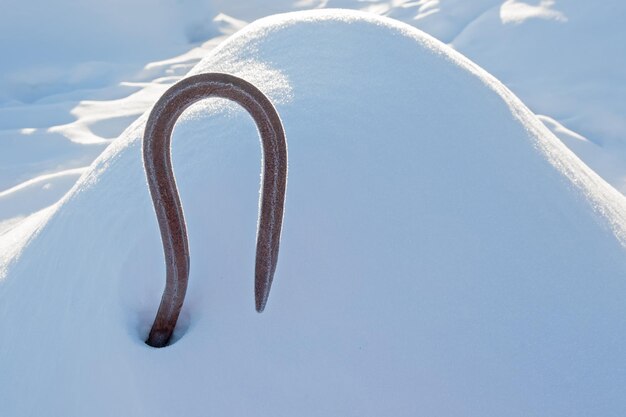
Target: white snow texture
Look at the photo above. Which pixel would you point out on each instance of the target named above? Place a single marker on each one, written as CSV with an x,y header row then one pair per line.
x,y
442,254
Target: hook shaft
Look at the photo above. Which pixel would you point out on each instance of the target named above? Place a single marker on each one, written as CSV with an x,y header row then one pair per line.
x,y
166,200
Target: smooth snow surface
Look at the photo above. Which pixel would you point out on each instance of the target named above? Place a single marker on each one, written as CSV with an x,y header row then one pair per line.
x,y
566,60
443,253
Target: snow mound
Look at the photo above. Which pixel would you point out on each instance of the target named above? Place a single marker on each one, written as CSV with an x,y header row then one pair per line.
x,y
442,253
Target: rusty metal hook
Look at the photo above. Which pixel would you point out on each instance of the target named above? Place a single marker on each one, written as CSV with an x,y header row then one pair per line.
x,y
169,211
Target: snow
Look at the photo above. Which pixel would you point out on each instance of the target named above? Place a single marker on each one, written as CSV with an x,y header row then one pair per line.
x,y
96,44
443,253
82,74
513,11
569,68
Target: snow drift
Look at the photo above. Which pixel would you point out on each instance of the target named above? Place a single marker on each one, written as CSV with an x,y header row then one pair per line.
x,y
442,252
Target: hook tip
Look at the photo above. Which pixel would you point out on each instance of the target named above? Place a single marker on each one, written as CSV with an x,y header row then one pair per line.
x,y
261,294
261,300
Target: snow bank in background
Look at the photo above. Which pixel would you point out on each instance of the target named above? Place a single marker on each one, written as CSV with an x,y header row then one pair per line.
x,y
513,11
64,45
443,253
564,59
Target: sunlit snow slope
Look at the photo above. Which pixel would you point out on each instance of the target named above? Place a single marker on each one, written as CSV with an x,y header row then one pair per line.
x,y
443,253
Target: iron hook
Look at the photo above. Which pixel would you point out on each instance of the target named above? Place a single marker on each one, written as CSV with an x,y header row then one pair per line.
x,y
166,200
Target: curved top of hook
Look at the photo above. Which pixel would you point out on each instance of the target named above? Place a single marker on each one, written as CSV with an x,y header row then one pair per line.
x,y
166,200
